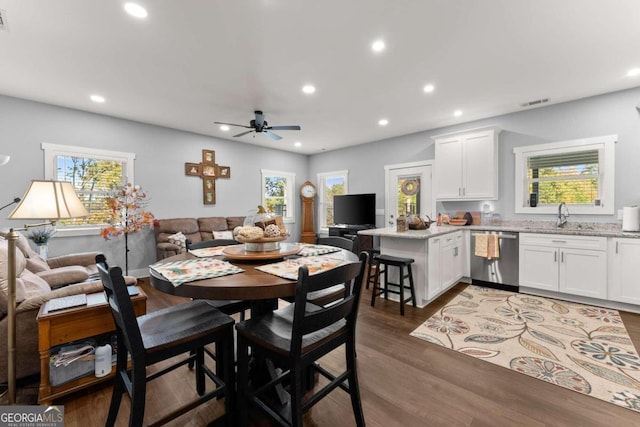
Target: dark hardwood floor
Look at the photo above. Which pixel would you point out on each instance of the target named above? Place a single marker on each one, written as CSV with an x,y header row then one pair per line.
x,y
404,381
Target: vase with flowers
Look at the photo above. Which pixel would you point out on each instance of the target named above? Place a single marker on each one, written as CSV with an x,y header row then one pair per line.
x,y
41,238
127,215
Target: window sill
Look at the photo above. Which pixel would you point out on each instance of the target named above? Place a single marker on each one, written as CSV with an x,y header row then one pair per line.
x,y
77,231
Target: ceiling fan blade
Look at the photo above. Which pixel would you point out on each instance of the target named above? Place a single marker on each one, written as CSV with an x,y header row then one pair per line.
x,y
243,133
232,124
292,127
272,135
259,119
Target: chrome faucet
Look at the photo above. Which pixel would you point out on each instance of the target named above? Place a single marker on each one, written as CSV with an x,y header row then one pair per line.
x,y
562,216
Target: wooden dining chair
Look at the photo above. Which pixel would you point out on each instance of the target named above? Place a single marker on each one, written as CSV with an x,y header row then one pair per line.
x,y
294,338
337,241
183,329
334,293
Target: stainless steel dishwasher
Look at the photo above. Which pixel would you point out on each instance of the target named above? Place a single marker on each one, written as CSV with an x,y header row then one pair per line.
x,y
501,272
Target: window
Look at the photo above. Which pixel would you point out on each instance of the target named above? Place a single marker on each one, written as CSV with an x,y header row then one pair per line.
x,y
278,193
579,173
329,185
93,173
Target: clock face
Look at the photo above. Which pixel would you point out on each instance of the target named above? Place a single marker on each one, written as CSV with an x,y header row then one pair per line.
x,y
308,191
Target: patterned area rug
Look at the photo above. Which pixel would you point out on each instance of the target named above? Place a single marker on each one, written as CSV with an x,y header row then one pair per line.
x,y
583,348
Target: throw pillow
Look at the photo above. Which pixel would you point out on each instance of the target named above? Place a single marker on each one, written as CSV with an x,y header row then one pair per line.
x,y
178,239
223,235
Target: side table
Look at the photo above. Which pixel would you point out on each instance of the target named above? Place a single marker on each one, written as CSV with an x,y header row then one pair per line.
x,y
72,324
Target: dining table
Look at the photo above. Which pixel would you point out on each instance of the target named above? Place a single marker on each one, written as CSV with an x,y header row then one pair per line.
x,y
249,285
261,289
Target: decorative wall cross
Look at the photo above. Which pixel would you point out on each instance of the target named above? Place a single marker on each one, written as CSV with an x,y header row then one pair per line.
x,y
209,171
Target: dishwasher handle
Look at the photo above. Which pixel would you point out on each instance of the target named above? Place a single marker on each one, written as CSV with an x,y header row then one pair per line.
x,y
500,236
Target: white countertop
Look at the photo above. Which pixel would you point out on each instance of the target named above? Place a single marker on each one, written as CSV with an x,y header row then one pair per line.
x,y
546,227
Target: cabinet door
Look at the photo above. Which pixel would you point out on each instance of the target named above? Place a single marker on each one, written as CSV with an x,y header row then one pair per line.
x,y
448,261
448,168
625,271
583,272
434,284
539,267
479,168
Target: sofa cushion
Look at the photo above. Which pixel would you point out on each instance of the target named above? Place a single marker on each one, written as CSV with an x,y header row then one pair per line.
x,y
33,285
21,264
64,275
178,239
235,221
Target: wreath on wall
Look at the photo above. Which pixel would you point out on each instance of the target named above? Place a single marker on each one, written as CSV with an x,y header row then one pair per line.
x,y
410,187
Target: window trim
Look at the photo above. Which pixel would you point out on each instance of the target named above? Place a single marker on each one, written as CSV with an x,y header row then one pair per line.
x,y
51,151
320,180
290,191
606,166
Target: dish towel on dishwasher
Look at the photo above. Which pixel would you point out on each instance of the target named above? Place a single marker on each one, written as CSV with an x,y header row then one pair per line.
x,y
487,246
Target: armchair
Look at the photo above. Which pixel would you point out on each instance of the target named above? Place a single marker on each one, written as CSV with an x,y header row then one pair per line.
x,y
37,282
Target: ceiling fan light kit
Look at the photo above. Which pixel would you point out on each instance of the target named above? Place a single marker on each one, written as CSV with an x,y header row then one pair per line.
x,y
260,125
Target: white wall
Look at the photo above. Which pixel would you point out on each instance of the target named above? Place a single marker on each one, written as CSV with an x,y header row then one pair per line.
x,y
613,113
159,167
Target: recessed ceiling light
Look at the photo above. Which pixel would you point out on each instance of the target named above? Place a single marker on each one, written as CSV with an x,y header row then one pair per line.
x,y
224,128
308,89
135,10
378,46
97,98
633,72
297,144
428,88
383,122
457,113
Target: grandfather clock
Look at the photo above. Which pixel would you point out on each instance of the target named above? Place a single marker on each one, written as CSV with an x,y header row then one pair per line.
x,y
307,194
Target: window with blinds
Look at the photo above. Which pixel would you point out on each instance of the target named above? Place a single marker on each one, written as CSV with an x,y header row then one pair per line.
x,y
579,172
94,173
566,177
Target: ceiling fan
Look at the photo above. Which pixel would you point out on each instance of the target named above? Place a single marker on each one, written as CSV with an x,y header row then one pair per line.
x,y
260,125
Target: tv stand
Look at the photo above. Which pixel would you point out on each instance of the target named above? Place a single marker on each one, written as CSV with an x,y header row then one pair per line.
x,y
351,232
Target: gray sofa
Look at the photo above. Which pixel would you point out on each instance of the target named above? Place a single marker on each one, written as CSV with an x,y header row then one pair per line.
x,y
194,229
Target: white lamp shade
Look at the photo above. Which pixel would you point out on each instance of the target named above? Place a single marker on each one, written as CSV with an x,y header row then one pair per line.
x,y
51,200
4,159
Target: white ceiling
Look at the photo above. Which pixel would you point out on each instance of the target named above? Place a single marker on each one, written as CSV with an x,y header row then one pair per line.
x,y
193,62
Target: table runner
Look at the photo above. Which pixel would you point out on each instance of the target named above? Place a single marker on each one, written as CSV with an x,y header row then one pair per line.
x,y
207,252
313,250
179,272
289,268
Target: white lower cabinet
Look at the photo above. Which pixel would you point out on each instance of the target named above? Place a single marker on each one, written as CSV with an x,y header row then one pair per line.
x,y
569,264
624,277
446,263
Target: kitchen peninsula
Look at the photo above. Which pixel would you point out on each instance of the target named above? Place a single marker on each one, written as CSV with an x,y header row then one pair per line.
x,y
440,255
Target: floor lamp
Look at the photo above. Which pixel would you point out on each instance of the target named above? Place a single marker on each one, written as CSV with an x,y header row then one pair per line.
x,y
44,200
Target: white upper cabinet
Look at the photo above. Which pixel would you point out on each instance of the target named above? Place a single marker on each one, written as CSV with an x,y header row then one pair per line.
x,y
467,165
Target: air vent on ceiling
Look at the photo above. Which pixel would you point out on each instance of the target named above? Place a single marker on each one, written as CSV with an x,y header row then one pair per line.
x,y
536,102
3,20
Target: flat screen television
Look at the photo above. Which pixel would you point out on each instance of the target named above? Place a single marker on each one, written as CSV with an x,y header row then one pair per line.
x,y
354,209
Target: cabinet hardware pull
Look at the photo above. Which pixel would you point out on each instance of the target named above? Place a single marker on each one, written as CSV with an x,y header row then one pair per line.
x,y
617,247
559,241
555,256
562,256
455,253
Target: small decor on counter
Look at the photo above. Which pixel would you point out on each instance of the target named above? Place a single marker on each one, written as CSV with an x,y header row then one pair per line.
x,y
401,223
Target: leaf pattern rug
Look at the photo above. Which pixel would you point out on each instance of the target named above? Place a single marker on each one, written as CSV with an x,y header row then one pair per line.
x,y
583,348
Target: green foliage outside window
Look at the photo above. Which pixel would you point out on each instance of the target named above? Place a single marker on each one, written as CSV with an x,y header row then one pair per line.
x,y
93,180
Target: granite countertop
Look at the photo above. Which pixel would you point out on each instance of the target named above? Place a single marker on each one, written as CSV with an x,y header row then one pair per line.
x,y
601,229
